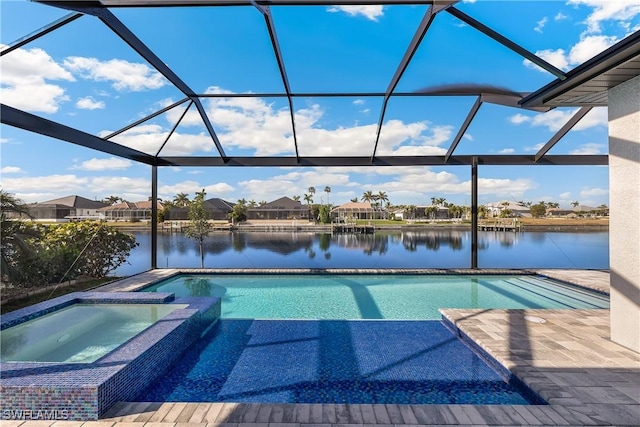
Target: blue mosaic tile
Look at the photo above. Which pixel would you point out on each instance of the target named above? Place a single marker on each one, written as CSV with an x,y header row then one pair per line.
x,y
326,361
84,391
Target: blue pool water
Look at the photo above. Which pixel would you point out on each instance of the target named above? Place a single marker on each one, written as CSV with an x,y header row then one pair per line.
x,y
80,333
333,361
368,338
376,296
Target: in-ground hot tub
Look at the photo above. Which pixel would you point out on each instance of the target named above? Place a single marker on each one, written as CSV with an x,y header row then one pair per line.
x,y
80,333
75,356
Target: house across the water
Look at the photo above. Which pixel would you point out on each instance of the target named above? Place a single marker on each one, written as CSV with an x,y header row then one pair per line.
x,y
65,209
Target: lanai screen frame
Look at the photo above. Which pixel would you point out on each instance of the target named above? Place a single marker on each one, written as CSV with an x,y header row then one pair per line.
x,y
483,94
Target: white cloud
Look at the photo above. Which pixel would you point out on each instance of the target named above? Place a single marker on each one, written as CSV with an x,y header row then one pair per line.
x,y
598,116
560,16
585,49
605,10
413,184
295,182
88,103
402,184
40,188
536,147
358,102
591,42
590,148
10,169
519,118
25,76
409,188
51,184
124,75
555,119
4,140
149,139
552,120
396,138
468,137
112,163
132,189
590,192
507,151
253,124
371,12
588,47
505,186
540,24
565,195
557,58
365,111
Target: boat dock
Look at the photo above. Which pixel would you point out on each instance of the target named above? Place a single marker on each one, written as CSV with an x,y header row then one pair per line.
x,y
353,229
501,226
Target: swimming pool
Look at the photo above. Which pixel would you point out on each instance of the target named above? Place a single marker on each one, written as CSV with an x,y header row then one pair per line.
x,y
352,338
400,297
334,361
80,333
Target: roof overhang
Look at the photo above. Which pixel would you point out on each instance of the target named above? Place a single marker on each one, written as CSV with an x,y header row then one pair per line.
x,y
588,84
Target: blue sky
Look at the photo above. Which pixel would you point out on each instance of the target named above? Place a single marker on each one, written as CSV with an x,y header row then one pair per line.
x,y
83,76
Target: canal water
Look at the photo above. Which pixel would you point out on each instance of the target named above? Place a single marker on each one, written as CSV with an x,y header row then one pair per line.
x,y
434,248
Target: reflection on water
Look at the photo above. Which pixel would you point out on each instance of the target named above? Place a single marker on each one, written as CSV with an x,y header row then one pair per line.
x,y
433,240
432,248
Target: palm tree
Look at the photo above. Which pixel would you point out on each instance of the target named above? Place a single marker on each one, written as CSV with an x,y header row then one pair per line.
x,y
382,199
431,211
308,198
382,196
354,200
411,211
252,203
327,190
14,235
296,198
166,204
10,203
575,204
312,191
376,198
112,200
181,200
367,196
452,209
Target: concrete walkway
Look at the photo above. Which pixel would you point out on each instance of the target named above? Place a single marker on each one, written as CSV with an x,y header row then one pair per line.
x,y
566,356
